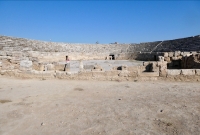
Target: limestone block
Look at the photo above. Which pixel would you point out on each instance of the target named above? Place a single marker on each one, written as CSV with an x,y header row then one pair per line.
x,y
7,58
2,53
162,64
180,57
149,74
160,58
98,74
81,65
167,59
163,71
112,73
175,58
50,67
7,66
177,53
97,68
59,66
8,48
185,53
197,71
27,49
26,65
188,71
166,54
171,54
17,54
124,67
146,63
24,58
173,72
182,53
193,52
88,67
124,73
15,60
9,53
85,74
0,63
48,73
188,55
2,43
133,73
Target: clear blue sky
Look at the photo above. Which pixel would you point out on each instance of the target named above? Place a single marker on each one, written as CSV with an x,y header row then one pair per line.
x,y
103,21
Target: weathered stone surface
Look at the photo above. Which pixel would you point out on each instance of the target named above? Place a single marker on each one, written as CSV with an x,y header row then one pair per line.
x,y
160,58
50,67
186,53
124,67
188,71
197,71
175,58
167,59
15,60
177,53
171,54
146,63
173,72
124,73
45,55
149,74
26,65
17,54
27,49
2,53
166,54
8,48
97,68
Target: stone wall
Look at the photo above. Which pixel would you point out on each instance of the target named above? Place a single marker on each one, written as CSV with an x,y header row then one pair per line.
x,y
20,44
24,45
32,58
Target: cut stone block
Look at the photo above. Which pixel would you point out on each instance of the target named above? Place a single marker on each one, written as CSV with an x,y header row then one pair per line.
x,y
166,54
26,65
2,53
177,53
173,72
171,54
197,71
149,74
188,71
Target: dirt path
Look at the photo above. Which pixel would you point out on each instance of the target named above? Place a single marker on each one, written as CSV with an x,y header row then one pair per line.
x,y
36,107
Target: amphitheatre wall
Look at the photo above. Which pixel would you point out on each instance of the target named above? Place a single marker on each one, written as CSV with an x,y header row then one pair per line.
x,y
31,58
123,51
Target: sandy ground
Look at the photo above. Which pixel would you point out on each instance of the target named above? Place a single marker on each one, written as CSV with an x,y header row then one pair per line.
x,y
50,107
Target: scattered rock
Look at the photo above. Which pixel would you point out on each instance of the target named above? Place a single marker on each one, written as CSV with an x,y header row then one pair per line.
x,y
78,89
4,101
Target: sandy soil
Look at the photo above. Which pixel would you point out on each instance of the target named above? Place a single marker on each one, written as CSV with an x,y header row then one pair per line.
x,y
44,107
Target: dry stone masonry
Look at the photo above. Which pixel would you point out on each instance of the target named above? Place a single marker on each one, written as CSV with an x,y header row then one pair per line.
x,y
171,59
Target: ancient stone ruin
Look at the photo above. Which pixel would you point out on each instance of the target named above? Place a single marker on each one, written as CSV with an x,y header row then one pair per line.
x,y
177,59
